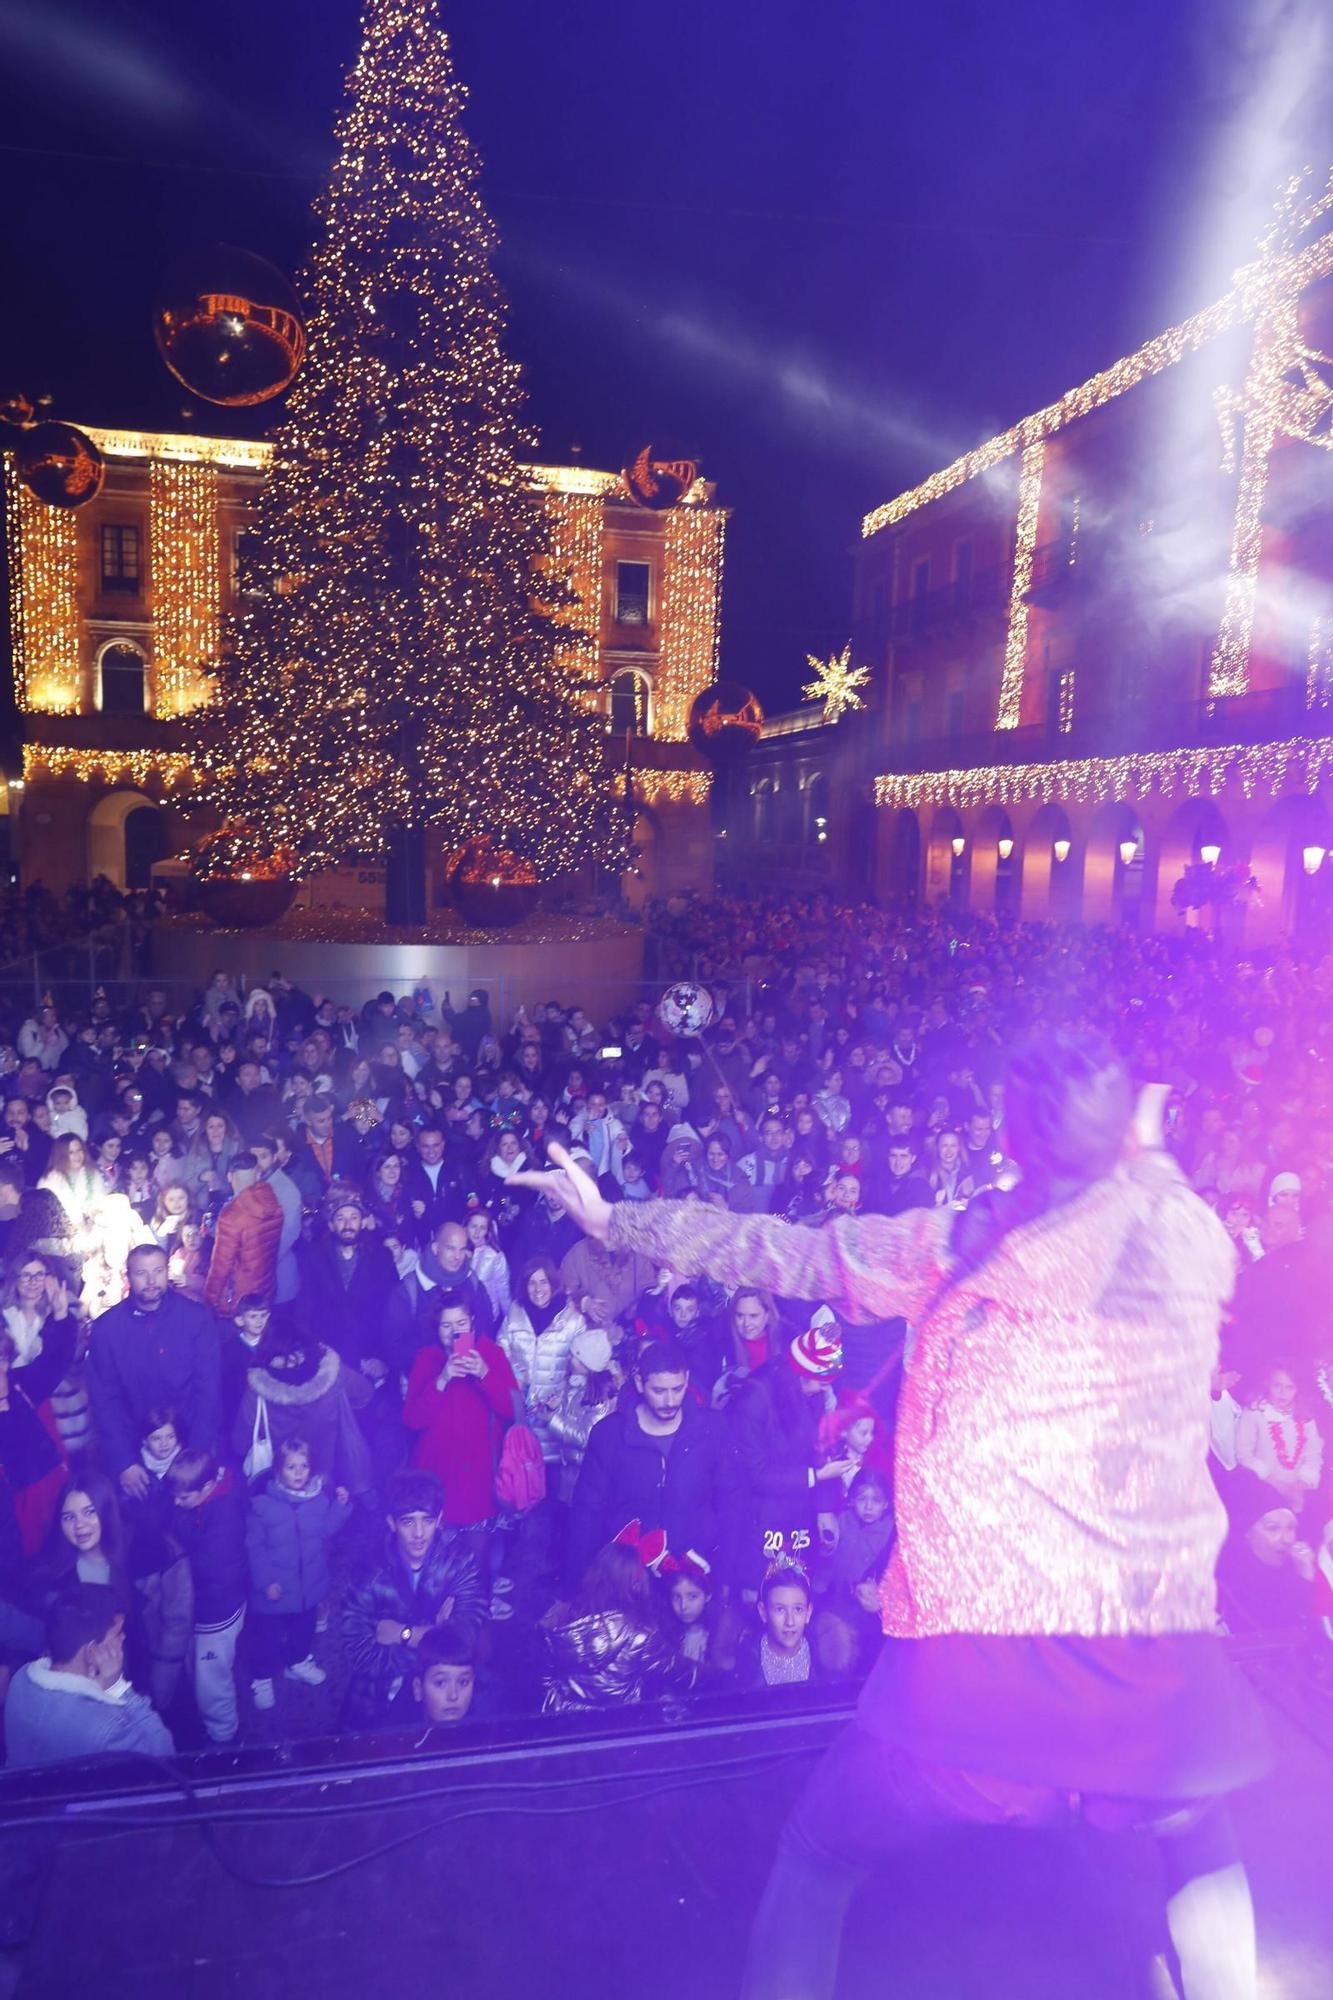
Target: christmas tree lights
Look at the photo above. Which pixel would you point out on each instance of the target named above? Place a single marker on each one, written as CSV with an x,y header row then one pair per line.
x,y
399,667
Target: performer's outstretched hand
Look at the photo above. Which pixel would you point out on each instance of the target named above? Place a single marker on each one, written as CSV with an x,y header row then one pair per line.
x,y
576,1192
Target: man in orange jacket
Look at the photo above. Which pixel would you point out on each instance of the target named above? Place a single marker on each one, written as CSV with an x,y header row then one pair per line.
x,y
249,1234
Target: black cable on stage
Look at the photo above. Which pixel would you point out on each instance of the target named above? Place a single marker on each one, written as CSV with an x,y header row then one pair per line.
x,y
208,1821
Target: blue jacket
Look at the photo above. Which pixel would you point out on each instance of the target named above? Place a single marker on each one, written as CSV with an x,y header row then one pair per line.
x,y
52,1716
287,1538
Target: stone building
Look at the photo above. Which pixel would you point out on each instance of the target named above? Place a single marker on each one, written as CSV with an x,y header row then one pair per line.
x,y
117,609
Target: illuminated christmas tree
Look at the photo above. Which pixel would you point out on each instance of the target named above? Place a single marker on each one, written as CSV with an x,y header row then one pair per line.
x,y
396,668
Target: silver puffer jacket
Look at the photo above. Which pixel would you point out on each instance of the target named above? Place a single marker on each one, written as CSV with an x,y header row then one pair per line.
x,y
603,1660
541,1364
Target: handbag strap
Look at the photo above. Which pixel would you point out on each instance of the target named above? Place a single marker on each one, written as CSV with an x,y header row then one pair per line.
x,y
261,1429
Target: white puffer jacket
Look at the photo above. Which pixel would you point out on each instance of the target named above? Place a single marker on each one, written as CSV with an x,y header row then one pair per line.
x,y
541,1364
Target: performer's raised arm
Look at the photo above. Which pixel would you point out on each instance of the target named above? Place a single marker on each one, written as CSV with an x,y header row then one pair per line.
x,y
865,1267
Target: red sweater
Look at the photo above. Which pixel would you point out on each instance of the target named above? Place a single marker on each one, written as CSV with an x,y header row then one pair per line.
x,y
460,1429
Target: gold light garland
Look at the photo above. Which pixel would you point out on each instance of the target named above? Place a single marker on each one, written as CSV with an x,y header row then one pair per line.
x,y
1273,407
676,787
234,454
1010,703
47,760
45,631
576,552
1204,770
1250,295
187,581
692,543
1319,666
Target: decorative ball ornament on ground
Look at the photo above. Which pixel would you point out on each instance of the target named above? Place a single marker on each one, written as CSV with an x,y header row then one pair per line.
x,y
492,887
725,722
243,902
228,325
686,1009
59,464
658,482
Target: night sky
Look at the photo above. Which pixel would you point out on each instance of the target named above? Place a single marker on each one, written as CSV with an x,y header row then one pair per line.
x,y
824,246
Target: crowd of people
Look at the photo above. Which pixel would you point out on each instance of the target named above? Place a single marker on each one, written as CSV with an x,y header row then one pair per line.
x,y
314,1417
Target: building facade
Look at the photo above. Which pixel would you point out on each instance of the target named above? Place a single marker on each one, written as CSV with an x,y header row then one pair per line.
x,y
1102,642
117,610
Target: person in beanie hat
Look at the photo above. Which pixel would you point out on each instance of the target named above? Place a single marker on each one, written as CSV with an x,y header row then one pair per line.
x,y
1265,1572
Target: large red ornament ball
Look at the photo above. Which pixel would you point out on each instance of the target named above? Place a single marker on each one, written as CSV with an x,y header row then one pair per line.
x,y
59,464
228,325
492,888
658,478
725,722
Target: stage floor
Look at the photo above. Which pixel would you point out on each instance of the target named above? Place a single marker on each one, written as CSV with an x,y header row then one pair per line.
x,y
647,1896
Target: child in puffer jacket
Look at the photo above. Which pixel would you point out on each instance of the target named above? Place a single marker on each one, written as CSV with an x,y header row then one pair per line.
x,y
289,1527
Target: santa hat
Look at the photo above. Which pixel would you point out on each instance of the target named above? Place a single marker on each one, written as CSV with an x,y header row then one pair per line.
x,y
816,1352
650,1547
691,1564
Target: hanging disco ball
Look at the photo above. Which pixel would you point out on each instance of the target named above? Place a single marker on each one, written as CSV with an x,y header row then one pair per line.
x,y
686,1009
725,722
60,465
228,325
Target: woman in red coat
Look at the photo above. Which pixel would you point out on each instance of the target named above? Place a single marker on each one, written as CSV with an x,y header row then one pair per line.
x,y
460,1399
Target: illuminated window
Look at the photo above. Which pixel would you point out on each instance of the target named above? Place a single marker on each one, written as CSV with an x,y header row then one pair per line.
x,y
123,681
120,559
629,704
633,584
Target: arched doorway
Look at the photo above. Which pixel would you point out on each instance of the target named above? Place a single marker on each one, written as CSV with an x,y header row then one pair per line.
x,y
1048,892
627,700
122,680
816,829
1194,830
126,836
903,856
994,866
1288,855
1115,867
946,859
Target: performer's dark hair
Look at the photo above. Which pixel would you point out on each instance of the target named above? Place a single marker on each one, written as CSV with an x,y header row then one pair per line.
x,y
1067,1106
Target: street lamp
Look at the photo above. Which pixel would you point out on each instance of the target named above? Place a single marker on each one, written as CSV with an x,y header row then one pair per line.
x,y
1004,847
1314,858
1128,849
1060,849
1210,854
959,845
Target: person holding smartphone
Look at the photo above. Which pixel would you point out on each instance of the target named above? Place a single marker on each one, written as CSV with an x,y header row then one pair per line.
x,y
459,1403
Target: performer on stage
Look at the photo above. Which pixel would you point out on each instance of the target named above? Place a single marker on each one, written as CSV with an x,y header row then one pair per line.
x,y
1049,1608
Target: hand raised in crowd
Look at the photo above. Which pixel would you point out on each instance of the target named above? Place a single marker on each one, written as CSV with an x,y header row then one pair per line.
x,y
837,1468
136,1482
576,1191
57,1296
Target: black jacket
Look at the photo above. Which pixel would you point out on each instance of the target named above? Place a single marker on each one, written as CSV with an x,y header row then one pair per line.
x,y
212,1539
345,1306
693,1493
139,1360
774,1434
412,1312
381,1675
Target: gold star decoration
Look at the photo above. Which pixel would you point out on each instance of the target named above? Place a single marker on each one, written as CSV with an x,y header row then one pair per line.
x,y
835,683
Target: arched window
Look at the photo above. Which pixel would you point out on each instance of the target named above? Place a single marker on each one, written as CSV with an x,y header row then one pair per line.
x,y
122,681
627,703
